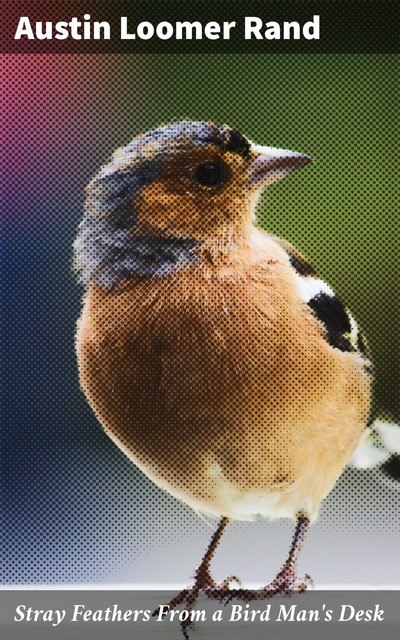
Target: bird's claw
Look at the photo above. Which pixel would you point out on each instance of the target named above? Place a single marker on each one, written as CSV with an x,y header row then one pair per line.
x,y
309,581
219,591
227,582
185,626
286,583
183,596
203,582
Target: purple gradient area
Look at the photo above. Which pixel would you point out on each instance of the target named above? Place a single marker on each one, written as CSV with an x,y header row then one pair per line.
x,y
55,110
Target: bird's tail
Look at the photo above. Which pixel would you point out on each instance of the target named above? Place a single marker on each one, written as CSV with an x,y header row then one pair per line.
x,y
379,448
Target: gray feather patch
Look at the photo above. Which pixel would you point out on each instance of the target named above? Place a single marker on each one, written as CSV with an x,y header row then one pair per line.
x,y
109,255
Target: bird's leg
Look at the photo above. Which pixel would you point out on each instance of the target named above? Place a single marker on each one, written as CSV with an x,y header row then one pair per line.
x,y
286,581
202,576
203,580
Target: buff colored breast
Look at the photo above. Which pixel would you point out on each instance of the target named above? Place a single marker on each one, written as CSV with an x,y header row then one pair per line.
x,y
218,383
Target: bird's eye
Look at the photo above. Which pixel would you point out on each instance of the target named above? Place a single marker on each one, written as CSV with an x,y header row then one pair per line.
x,y
209,174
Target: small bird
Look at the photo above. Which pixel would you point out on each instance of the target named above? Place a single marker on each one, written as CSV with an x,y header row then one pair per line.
x,y
210,351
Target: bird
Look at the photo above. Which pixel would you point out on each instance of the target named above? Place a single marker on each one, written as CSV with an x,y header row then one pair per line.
x,y
209,349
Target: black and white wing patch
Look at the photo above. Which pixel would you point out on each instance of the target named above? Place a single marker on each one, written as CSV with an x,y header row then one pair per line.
x,y
341,329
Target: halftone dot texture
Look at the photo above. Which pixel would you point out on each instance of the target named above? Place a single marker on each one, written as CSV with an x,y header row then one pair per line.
x,y
76,509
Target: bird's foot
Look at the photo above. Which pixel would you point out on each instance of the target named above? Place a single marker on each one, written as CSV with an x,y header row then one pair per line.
x,y
203,582
212,589
286,583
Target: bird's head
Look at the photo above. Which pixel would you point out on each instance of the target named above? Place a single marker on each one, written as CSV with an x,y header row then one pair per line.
x,y
184,182
188,179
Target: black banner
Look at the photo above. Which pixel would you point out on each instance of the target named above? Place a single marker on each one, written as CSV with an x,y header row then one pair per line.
x,y
251,26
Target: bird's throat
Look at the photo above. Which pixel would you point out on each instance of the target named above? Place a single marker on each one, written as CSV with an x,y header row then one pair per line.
x,y
108,255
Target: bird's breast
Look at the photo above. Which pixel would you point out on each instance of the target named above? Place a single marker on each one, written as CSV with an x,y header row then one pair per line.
x,y
216,377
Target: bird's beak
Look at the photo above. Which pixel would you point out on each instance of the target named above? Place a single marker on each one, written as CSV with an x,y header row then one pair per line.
x,y
271,164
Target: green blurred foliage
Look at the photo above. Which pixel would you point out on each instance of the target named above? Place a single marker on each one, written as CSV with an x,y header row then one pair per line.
x,y
341,212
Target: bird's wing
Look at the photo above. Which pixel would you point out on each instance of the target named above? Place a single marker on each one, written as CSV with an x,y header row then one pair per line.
x,y
379,446
340,328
